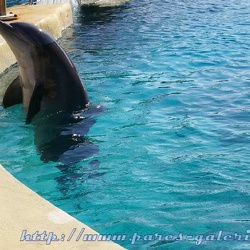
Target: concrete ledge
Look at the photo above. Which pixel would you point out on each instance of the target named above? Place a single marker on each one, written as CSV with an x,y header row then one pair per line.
x,y
103,3
22,209
53,18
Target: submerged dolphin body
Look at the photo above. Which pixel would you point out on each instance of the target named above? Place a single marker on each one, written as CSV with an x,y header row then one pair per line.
x,y
48,80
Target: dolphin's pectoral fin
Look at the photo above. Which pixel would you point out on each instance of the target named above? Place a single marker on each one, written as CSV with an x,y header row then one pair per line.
x,y
13,94
35,102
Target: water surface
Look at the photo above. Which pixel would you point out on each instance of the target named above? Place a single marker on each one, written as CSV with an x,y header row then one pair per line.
x,y
174,141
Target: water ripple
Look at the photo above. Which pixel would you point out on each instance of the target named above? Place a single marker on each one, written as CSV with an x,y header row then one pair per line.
x,y
174,141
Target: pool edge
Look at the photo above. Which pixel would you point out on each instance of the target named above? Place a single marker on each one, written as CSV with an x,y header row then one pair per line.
x,y
23,213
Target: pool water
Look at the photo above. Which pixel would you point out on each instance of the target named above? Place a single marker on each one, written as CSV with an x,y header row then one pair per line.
x,y
174,140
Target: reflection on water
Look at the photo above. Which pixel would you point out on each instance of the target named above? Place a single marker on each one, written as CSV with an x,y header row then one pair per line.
x,y
94,15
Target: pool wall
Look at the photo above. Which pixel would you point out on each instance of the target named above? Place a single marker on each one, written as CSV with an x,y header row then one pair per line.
x,y
24,215
27,221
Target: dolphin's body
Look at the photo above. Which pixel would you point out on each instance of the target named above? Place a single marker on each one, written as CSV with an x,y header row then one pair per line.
x,y
48,80
52,93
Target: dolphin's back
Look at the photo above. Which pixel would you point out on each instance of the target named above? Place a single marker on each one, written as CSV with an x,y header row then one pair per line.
x,y
62,86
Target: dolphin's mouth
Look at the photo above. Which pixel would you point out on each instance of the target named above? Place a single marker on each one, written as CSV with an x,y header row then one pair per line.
x,y
7,31
14,38
5,26
21,36
26,32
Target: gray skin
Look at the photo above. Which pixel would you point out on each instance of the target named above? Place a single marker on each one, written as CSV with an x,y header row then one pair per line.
x,y
48,80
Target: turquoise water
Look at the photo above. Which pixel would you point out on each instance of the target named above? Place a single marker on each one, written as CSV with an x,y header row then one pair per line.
x,y
174,141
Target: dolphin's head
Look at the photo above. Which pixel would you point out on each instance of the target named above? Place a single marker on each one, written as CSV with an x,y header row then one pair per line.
x,y
24,38
27,42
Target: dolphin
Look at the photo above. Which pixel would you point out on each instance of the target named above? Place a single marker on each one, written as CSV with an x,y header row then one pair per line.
x,y
55,99
48,81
